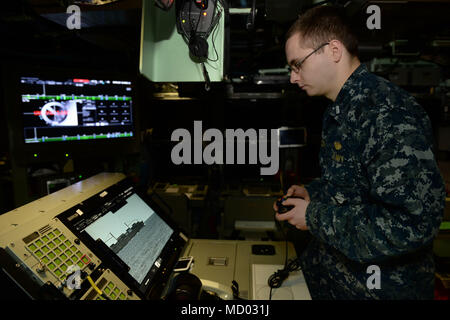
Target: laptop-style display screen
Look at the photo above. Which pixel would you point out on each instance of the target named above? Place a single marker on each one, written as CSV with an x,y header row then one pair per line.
x,y
135,233
129,231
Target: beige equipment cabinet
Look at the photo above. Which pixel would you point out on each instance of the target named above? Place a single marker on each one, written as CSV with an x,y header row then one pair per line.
x,y
48,251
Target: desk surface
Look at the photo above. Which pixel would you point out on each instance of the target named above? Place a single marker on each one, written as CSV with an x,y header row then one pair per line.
x,y
209,257
293,288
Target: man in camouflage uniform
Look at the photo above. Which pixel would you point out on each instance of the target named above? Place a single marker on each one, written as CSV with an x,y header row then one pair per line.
x,y
380,198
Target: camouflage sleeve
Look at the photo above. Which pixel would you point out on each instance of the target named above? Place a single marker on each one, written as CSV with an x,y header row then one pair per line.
x,y
314,189
406,196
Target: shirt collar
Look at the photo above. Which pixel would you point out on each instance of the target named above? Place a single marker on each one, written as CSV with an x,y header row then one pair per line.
x,y
340,106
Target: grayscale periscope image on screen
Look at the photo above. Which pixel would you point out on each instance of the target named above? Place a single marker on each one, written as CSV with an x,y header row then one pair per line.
x,y
135,233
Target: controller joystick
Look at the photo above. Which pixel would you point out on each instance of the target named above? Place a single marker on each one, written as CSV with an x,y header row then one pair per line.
x,y
282,208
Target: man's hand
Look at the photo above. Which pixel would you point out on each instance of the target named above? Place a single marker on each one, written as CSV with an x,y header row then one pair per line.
x,y
295,216
298,191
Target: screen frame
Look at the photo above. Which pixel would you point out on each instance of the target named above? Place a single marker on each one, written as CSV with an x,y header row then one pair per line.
x,y
24,153
285,129
111,260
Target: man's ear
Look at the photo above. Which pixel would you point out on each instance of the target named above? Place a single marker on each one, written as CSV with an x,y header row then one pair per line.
x,y
336,49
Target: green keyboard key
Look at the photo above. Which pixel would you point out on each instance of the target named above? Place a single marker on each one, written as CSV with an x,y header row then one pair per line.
x,y
51,245
51,255
57,241
79,254
39,243
111,285
51,235
45,260
39,253
62,237
56,231
63,247
51,266
63,267
68,252
68,243
116,290
58,273
32,247
45,249
122,296
80,264
107,290
57,261
45,238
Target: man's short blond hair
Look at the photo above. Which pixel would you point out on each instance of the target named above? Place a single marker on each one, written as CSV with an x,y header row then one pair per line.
x,y
322,24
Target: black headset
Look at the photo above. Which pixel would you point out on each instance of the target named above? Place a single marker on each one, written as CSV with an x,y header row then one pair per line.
x,y
198,46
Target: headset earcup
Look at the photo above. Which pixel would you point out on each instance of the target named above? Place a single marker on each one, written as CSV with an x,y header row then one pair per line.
x,y
198,47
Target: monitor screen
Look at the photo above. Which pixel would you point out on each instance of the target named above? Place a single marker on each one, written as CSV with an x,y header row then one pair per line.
x,y
291,137
135,233
129,233
75,109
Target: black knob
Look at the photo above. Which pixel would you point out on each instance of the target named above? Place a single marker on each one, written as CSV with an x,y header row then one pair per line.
x,y
130,292
77,241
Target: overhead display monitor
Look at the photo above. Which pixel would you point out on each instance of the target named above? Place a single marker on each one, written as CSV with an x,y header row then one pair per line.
x,y
67,109
54,113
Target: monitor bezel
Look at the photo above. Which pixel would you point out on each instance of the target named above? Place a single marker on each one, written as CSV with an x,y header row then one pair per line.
x,y
24,153
111,260
296,145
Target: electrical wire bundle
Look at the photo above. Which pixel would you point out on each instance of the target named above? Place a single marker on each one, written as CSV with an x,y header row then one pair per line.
x,y
276,279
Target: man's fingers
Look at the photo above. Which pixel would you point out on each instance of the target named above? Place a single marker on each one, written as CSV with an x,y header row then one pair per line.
x,y
292,201
283,216
303,193
290,192
298,191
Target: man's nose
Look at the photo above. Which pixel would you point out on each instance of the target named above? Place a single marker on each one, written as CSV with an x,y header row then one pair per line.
x,y
295,77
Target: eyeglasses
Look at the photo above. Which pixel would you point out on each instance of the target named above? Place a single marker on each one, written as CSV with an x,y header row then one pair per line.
x,y
296,66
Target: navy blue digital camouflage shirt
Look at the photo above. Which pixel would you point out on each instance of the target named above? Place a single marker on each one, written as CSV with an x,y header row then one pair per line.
x,y
380,198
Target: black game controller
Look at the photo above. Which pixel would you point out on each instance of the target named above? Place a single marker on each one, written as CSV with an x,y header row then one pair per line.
x,y
282,208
